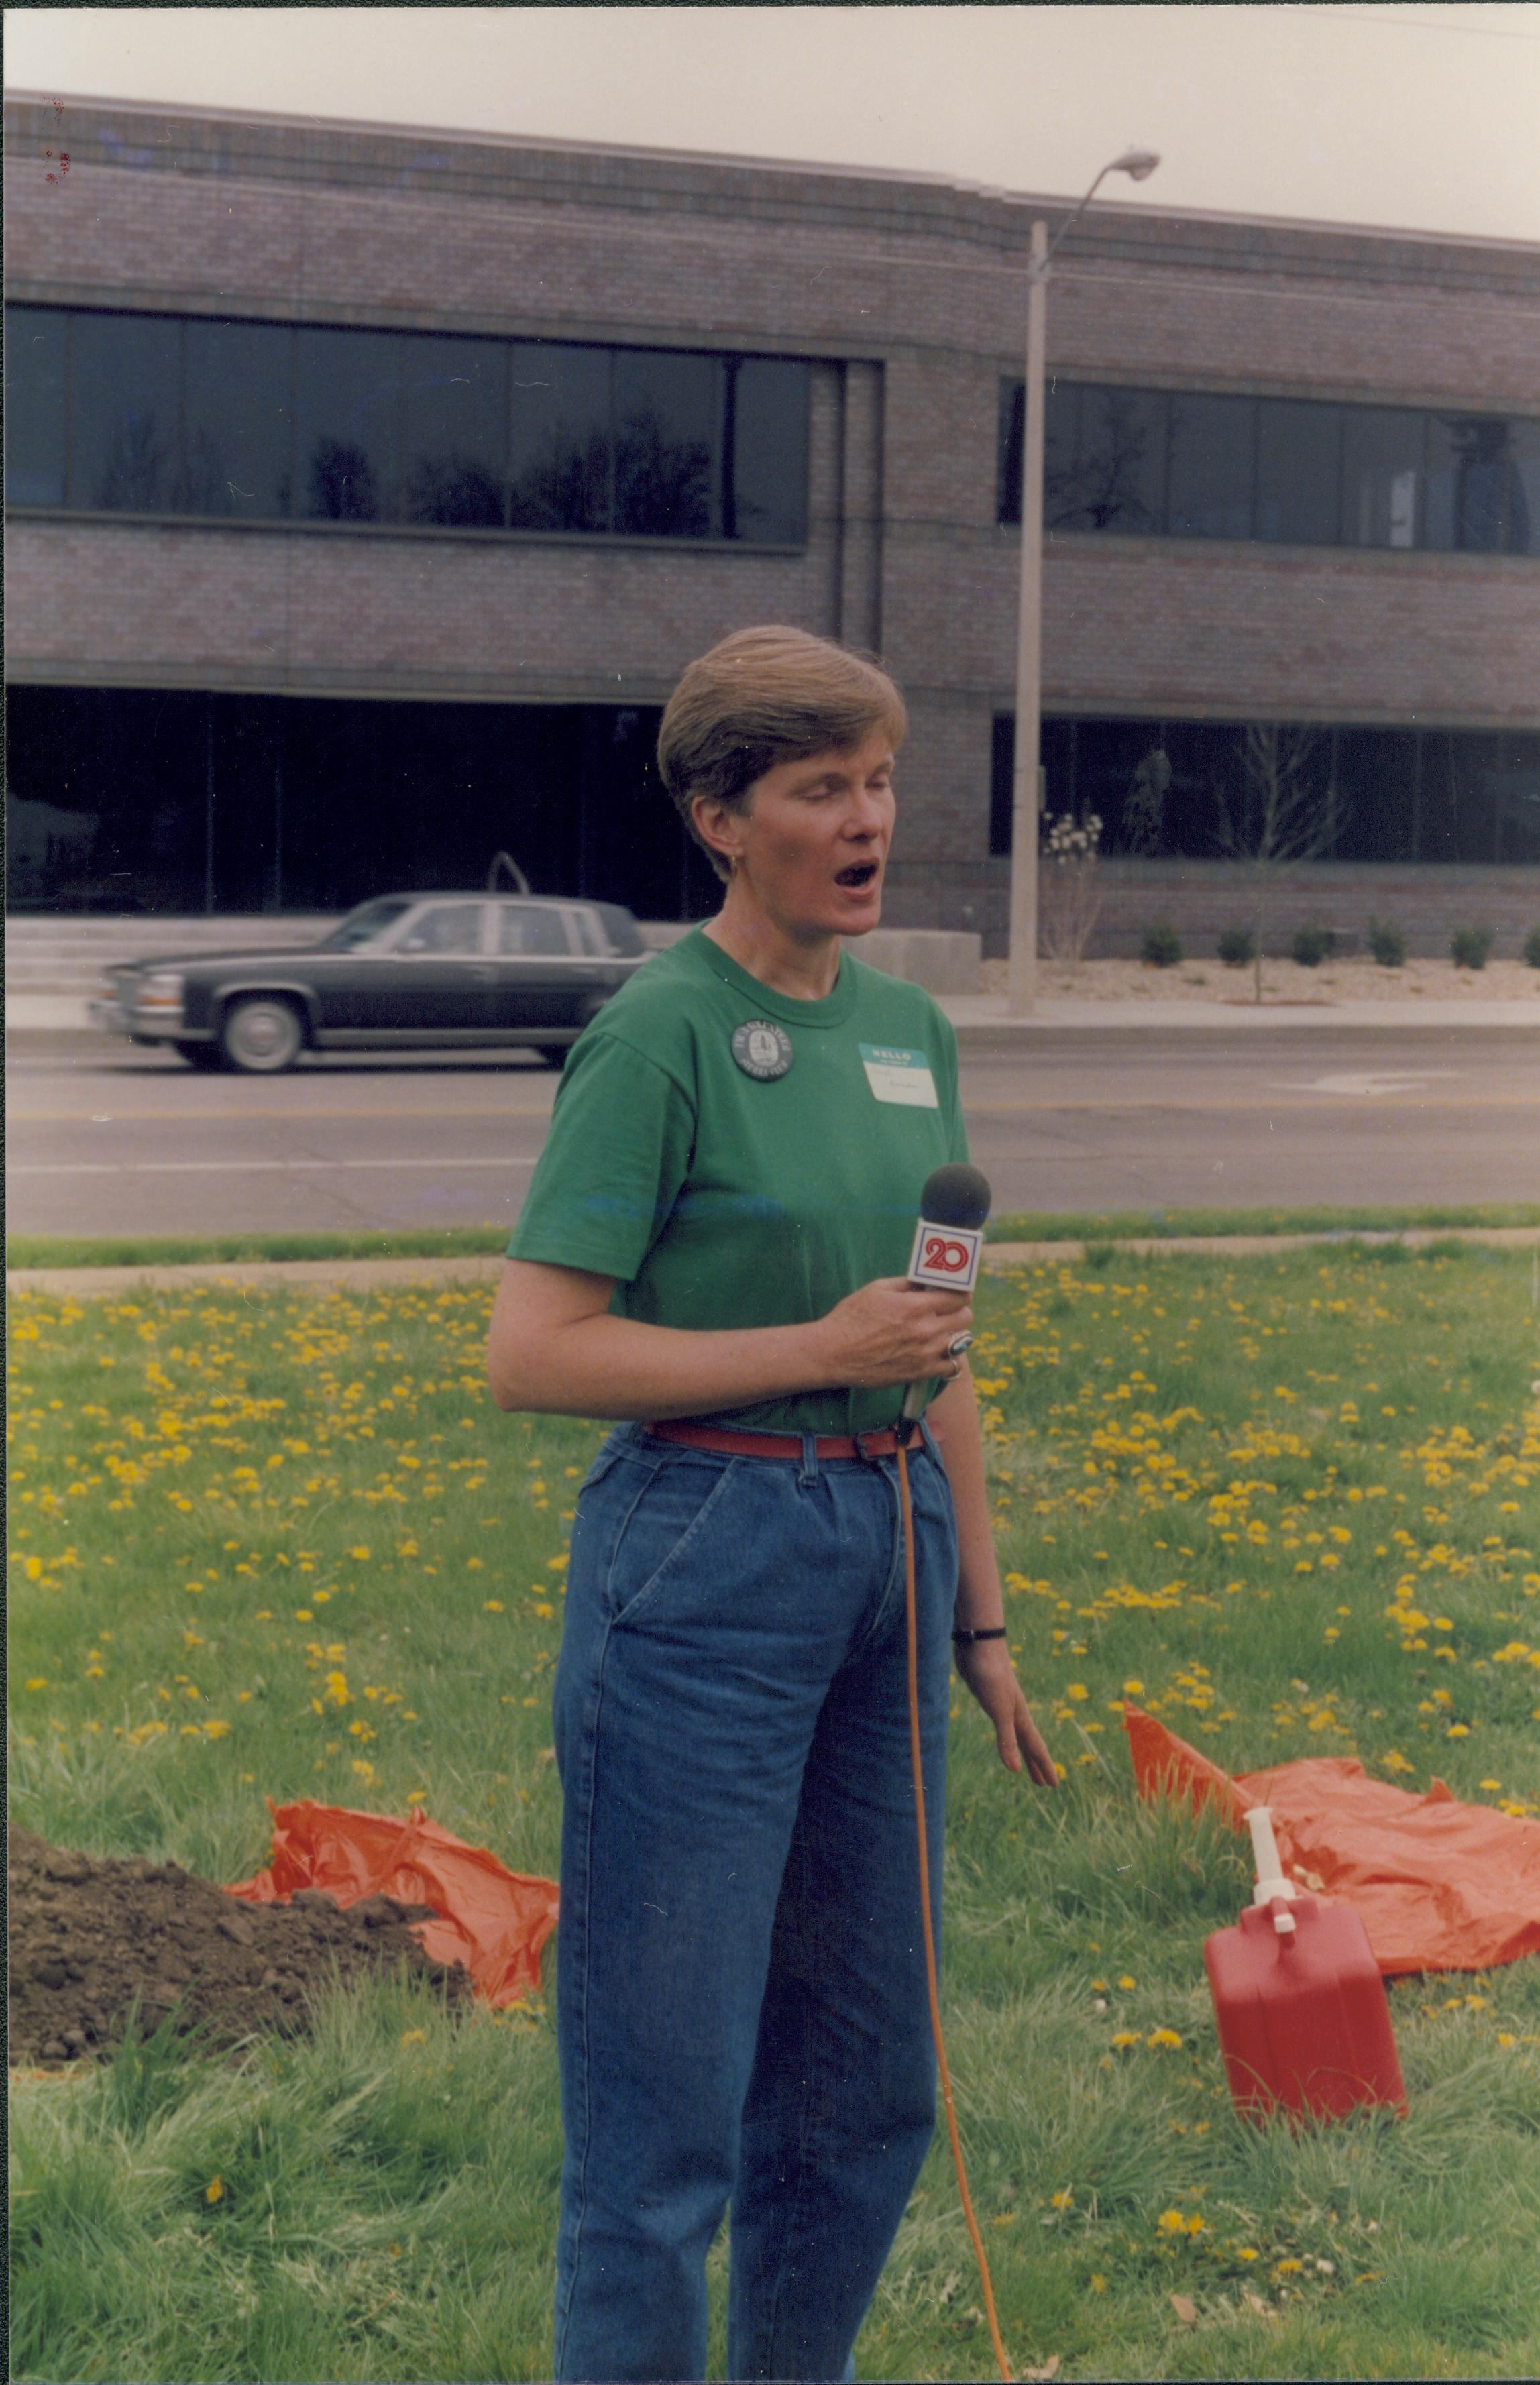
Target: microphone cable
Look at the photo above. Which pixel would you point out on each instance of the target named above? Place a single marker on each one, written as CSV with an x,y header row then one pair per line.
x,y
907,1509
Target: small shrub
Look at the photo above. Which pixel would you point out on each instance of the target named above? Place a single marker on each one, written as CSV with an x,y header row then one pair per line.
x,y
1532,948
1387,942
1238,947
1310,946
1160,946
1471,947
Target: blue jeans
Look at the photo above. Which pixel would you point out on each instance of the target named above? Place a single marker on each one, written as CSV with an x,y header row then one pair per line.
x,y
742,2011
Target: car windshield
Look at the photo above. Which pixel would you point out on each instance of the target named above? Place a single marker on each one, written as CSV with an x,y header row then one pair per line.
x,y
371,919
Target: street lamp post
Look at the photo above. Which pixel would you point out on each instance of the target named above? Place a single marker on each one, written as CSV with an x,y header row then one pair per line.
x,y
1022,978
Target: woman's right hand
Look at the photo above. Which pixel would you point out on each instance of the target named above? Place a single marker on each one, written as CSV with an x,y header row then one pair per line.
x,y
891,1331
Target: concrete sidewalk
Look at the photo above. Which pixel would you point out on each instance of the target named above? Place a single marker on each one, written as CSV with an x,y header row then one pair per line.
x,y
321,1275
43,1022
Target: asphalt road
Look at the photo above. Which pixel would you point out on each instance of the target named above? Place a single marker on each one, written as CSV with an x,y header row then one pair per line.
x,y
128,1143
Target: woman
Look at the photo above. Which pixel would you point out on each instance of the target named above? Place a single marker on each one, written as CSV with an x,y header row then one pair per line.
x,y
715,1231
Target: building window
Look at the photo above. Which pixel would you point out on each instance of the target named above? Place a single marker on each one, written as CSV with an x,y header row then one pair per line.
x,y
1203,464
1160,788
137,413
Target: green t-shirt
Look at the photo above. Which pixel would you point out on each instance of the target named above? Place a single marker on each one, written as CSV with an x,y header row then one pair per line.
x,y
721,1198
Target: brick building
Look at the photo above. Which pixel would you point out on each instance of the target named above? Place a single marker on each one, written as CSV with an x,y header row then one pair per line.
x,y
368,490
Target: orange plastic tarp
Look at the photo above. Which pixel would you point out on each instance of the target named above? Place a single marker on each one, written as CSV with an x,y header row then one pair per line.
x,y
492,1920
1438,1885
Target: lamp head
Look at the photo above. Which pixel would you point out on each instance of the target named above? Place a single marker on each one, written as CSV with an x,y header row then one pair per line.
x,y
1138,163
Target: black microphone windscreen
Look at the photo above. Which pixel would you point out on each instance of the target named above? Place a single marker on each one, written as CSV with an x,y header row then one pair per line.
x,y
956,1195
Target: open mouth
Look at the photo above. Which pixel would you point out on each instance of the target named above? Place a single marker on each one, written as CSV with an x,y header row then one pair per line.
x,y
859,874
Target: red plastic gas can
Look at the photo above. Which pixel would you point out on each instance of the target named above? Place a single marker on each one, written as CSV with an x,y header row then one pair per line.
x,y
1301,2008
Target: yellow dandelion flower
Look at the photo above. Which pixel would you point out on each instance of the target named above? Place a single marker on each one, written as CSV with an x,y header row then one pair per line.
x,y
214,2192
1125,2037
1163,2037
1172,2223
1127,1981
1063,2199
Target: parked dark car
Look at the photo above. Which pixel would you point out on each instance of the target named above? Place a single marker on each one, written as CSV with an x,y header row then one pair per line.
x,y
402,972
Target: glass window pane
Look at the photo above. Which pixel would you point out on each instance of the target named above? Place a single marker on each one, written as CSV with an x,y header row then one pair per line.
x,y
667,410
1119,461
1298,464
1469,491
525,931
125,371
1007,465
36,347
346,404
1062,507
1212,451
449,928
559,445
1523,508
1381,472
235,452
765,495
455,431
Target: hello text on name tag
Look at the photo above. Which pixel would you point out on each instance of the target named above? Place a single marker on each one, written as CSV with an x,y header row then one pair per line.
x,y
898,1076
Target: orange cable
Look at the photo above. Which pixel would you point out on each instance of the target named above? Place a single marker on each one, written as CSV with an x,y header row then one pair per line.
x,y
1003,2364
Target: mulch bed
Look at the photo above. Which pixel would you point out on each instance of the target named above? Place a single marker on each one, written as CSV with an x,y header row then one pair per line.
x,y
90,1936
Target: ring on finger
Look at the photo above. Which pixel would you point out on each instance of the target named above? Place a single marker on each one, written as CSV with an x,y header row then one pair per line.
x,y
957,1345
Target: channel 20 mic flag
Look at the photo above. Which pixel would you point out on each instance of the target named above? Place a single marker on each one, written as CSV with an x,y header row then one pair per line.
x,y
949,1237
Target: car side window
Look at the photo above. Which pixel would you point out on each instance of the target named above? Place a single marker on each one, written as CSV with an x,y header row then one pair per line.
x,y
525,932
449,928
591,936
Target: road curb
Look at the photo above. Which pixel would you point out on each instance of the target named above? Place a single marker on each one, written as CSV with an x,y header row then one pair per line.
x,y
365,1274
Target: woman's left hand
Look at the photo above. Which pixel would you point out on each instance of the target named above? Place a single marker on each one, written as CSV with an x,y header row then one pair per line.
x,y
986,1668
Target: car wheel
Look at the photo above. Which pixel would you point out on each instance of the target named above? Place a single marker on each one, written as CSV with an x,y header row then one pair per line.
x,y
554,1054
200,1055
262,1036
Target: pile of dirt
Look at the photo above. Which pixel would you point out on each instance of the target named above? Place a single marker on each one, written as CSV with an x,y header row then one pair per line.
x,y
91,1935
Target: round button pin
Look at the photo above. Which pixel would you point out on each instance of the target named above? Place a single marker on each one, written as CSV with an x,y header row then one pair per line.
x,y
761,1050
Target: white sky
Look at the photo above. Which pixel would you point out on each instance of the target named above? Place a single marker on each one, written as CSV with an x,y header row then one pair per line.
x,y
1421,117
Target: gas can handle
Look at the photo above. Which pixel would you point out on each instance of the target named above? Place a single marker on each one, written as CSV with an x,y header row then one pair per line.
x,y
1270,1881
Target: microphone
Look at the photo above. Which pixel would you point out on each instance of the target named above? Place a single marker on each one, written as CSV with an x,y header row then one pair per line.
x,y
947,1241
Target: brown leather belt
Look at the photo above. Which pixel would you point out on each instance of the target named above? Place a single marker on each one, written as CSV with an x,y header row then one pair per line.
x,y
829,1446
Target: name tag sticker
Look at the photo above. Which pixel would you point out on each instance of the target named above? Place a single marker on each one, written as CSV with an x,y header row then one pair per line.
x,y
902,1076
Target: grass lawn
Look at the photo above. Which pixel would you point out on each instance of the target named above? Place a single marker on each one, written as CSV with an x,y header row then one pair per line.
x,y
272,1545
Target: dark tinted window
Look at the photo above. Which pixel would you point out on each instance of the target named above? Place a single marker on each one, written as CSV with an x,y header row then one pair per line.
x,y
36,415
1212,464
667,410
455,431
236,452
348,403
560,441
1061,509
1120,460
1470,490
125,411
1298,469
1382,474
267,420
1523,505
765,450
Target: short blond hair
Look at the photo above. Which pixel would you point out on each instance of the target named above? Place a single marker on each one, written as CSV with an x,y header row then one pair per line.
x,y
764,696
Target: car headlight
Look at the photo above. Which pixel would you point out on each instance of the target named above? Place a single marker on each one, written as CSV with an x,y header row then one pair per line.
x,y
161,992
